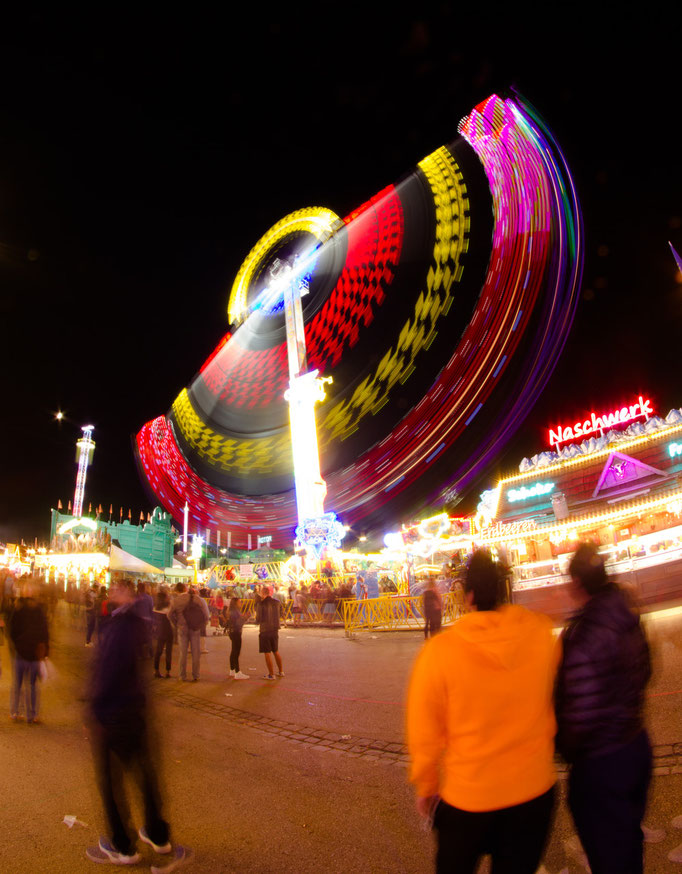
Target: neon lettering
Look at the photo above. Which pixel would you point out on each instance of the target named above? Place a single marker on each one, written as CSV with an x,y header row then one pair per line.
x,y
534,491
509,529
642,408
674,449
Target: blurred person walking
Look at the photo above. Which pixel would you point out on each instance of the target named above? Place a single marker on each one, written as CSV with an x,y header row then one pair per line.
x,y
189,614
91,597
432,605
603,674
329,604
268,612
145,607
120,738
28,633
480,729
205,594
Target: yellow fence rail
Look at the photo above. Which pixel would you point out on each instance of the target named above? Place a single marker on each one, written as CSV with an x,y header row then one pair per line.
x,y
396,612
384,613
316,612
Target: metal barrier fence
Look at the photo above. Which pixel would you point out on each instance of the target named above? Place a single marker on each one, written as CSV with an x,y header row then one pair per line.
x,y
396,612
386,612
314,612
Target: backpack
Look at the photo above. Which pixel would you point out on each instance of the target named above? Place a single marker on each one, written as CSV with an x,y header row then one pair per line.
x,y
194,615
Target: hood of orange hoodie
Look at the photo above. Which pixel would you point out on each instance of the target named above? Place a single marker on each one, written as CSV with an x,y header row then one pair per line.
x,y
499,637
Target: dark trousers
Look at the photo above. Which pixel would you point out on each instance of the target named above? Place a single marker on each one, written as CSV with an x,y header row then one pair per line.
x,y
236,639
515,837
119,749
607,797
432,623
164,640
91,622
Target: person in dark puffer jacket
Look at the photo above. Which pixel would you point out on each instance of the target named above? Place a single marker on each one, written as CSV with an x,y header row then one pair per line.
x,y
599,707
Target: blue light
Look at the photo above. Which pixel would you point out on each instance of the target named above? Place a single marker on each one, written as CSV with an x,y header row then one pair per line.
x,y
321,532
523,494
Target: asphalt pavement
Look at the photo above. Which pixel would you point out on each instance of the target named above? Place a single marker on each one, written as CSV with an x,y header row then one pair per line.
x,y
307,773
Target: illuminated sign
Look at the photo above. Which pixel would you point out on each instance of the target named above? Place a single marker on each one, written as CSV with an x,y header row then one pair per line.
x,y
435,526
535,491
674,449
598,423
321,532
508,529
85,522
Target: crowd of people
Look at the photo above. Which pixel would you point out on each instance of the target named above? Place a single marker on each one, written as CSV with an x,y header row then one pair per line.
x,y
124,621
491,701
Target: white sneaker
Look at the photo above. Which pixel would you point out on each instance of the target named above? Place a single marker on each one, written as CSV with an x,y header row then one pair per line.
x,y
181,856
240,676
158,848
106,852
231,674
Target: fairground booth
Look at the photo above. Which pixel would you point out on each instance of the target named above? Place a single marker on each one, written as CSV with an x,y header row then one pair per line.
x,y
613,478
86,550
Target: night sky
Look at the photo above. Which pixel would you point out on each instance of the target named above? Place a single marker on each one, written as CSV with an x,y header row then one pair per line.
x,y
142,156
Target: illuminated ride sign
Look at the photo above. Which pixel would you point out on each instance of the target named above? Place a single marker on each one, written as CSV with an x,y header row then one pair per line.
x,y
320,533
507,529
534,491
596,424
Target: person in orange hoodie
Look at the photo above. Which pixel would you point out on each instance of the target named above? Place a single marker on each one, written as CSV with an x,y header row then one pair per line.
x,y
480,730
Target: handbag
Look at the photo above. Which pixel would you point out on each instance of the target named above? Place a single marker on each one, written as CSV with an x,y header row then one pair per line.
x,y
46,670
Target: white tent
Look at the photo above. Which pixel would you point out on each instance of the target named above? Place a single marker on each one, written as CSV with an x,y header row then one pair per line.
x,y
120,560
178,570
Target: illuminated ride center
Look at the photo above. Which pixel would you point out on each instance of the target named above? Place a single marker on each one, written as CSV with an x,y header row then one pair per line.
x,y
316,529
412,337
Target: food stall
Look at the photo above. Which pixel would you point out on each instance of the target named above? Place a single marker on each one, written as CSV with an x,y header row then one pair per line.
x,y
620,487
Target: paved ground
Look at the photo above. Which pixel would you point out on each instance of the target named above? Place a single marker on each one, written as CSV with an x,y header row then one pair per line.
x,y
304,774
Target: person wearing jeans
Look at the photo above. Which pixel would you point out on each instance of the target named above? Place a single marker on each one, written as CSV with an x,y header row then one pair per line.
x,y
183,605
189,639
30,639
26,673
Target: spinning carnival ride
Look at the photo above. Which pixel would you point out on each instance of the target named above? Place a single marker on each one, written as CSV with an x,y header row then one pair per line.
x,y
439,308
